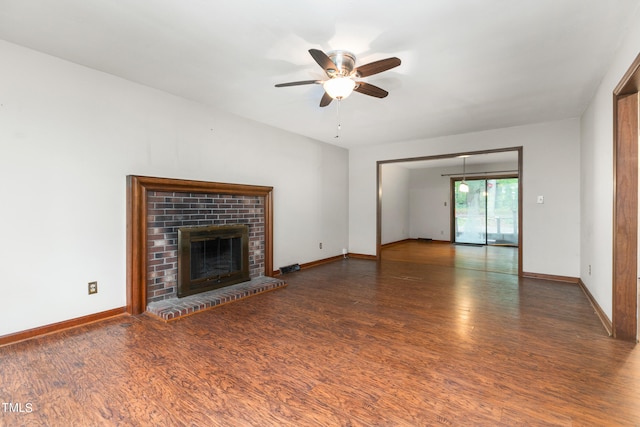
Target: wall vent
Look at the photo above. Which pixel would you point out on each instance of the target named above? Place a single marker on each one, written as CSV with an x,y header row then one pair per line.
x,y
289,268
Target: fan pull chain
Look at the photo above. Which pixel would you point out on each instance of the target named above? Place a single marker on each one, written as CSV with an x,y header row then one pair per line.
x,y
338,125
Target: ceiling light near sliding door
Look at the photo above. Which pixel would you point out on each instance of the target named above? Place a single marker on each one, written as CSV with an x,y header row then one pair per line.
x,y
464,187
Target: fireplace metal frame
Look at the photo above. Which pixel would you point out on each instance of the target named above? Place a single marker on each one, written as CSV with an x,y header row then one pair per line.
x,y
187,285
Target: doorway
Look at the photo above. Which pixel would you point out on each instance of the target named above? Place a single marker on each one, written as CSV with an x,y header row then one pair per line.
x,y
625,210
514,153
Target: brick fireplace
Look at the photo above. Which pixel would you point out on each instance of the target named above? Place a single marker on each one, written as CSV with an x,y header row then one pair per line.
x,y
157,207
170,211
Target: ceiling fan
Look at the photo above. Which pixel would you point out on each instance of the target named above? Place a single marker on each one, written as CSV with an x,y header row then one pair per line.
x,y
339,65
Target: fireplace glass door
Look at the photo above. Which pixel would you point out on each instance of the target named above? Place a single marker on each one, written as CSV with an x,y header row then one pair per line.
x,y
211,257
216,257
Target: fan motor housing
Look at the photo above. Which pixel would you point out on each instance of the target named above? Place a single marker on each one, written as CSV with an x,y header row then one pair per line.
x,y
344,60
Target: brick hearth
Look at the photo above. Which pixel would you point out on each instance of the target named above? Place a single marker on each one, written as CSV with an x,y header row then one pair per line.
x,y
176,308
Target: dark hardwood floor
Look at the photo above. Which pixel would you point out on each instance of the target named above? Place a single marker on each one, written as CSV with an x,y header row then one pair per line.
x,y
409,342
498,259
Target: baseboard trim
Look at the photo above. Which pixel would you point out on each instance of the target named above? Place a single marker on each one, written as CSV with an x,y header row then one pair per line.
x,y
314,263
606,323
60,326
551,277
358,256
397,242
604,319
363,256
446,242
418,239
321,261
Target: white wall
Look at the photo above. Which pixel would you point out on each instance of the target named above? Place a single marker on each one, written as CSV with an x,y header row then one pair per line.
x,y
551,231
69,137
395,203
597,177
429,203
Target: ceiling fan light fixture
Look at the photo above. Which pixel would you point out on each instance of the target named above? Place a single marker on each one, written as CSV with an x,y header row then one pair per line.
x,y
339,87
340,67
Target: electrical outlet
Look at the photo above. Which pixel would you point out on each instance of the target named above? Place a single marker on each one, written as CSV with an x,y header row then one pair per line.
x,y
93,288
320,245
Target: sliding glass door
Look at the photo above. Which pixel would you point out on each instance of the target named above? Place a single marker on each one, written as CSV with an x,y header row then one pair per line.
x,y
486,214
471,213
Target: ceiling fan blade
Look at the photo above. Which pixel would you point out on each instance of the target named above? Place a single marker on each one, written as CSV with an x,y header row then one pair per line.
x,y
371,90
377,67
324,61
303,82
326,100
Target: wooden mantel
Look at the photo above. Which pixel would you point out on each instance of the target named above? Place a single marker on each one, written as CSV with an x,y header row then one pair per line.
x,y
137,188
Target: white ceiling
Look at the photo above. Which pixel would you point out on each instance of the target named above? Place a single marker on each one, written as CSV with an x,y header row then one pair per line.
x,y
467,65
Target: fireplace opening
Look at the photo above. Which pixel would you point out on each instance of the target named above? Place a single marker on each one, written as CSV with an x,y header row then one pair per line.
x,y
212,257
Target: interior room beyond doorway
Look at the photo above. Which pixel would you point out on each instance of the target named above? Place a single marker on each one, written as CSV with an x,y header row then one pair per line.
x,y
415,198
